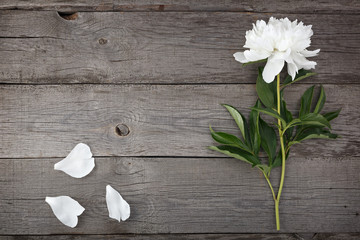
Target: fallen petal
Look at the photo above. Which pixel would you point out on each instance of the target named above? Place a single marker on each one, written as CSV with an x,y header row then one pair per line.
x,y
78,163
65,209
117,206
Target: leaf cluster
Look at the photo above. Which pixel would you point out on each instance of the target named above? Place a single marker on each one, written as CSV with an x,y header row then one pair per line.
x,y
257,135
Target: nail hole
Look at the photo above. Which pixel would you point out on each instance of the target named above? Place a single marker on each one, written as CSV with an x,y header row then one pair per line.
x,y
68,15
102,41
161,7
122,130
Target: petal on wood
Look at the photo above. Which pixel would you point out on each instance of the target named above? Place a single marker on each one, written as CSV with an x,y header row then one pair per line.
x,y
78,163
65,209
118,208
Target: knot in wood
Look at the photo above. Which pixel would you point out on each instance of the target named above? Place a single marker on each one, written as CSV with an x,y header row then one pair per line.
x,y
122,130
68,16
102,41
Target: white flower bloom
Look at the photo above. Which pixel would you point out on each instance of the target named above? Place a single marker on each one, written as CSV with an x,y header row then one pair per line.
x,y
117,206
65,209
279,41
78,163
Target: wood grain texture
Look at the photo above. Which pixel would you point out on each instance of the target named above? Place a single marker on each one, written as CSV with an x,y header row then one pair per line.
x,y
183,195
170,236
243,236
166,48
161,68
164,120
282,6
336,236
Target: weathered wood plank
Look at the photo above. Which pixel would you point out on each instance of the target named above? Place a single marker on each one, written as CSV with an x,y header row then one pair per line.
x,y
282,6
244,236
183,195
164,120
172,236
64,5
110,47
337,236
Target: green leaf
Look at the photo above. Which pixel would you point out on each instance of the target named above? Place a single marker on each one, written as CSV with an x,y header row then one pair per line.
x,y
331,115
258,61
268,140
309,120
270,112
239,119
292,124
266,91
254,128
237,153
301,75
321,101
278,160
228,139
314,132
306,100
315,119
265,168
286,114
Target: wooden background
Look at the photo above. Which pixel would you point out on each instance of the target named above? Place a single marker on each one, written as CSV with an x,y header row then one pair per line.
x,y
156,71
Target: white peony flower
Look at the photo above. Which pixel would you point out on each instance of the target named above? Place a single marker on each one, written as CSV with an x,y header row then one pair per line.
x,y
279,41
78,163
117,206
65,209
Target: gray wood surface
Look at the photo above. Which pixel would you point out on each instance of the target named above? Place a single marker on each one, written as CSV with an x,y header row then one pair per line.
x,y
166,237
167,48
282,6
164,120
140,81
244,236
182,195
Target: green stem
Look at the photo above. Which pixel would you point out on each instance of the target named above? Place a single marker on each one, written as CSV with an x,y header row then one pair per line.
x,y
277,215
277,201
272,190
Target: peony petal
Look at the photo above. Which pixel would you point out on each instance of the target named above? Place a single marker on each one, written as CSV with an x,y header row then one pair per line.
x,y
253,55
301,44
239,56
78,163
307,53
117,206
302,62
283,45
65,209
272,68
292,70
281,55
277,41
